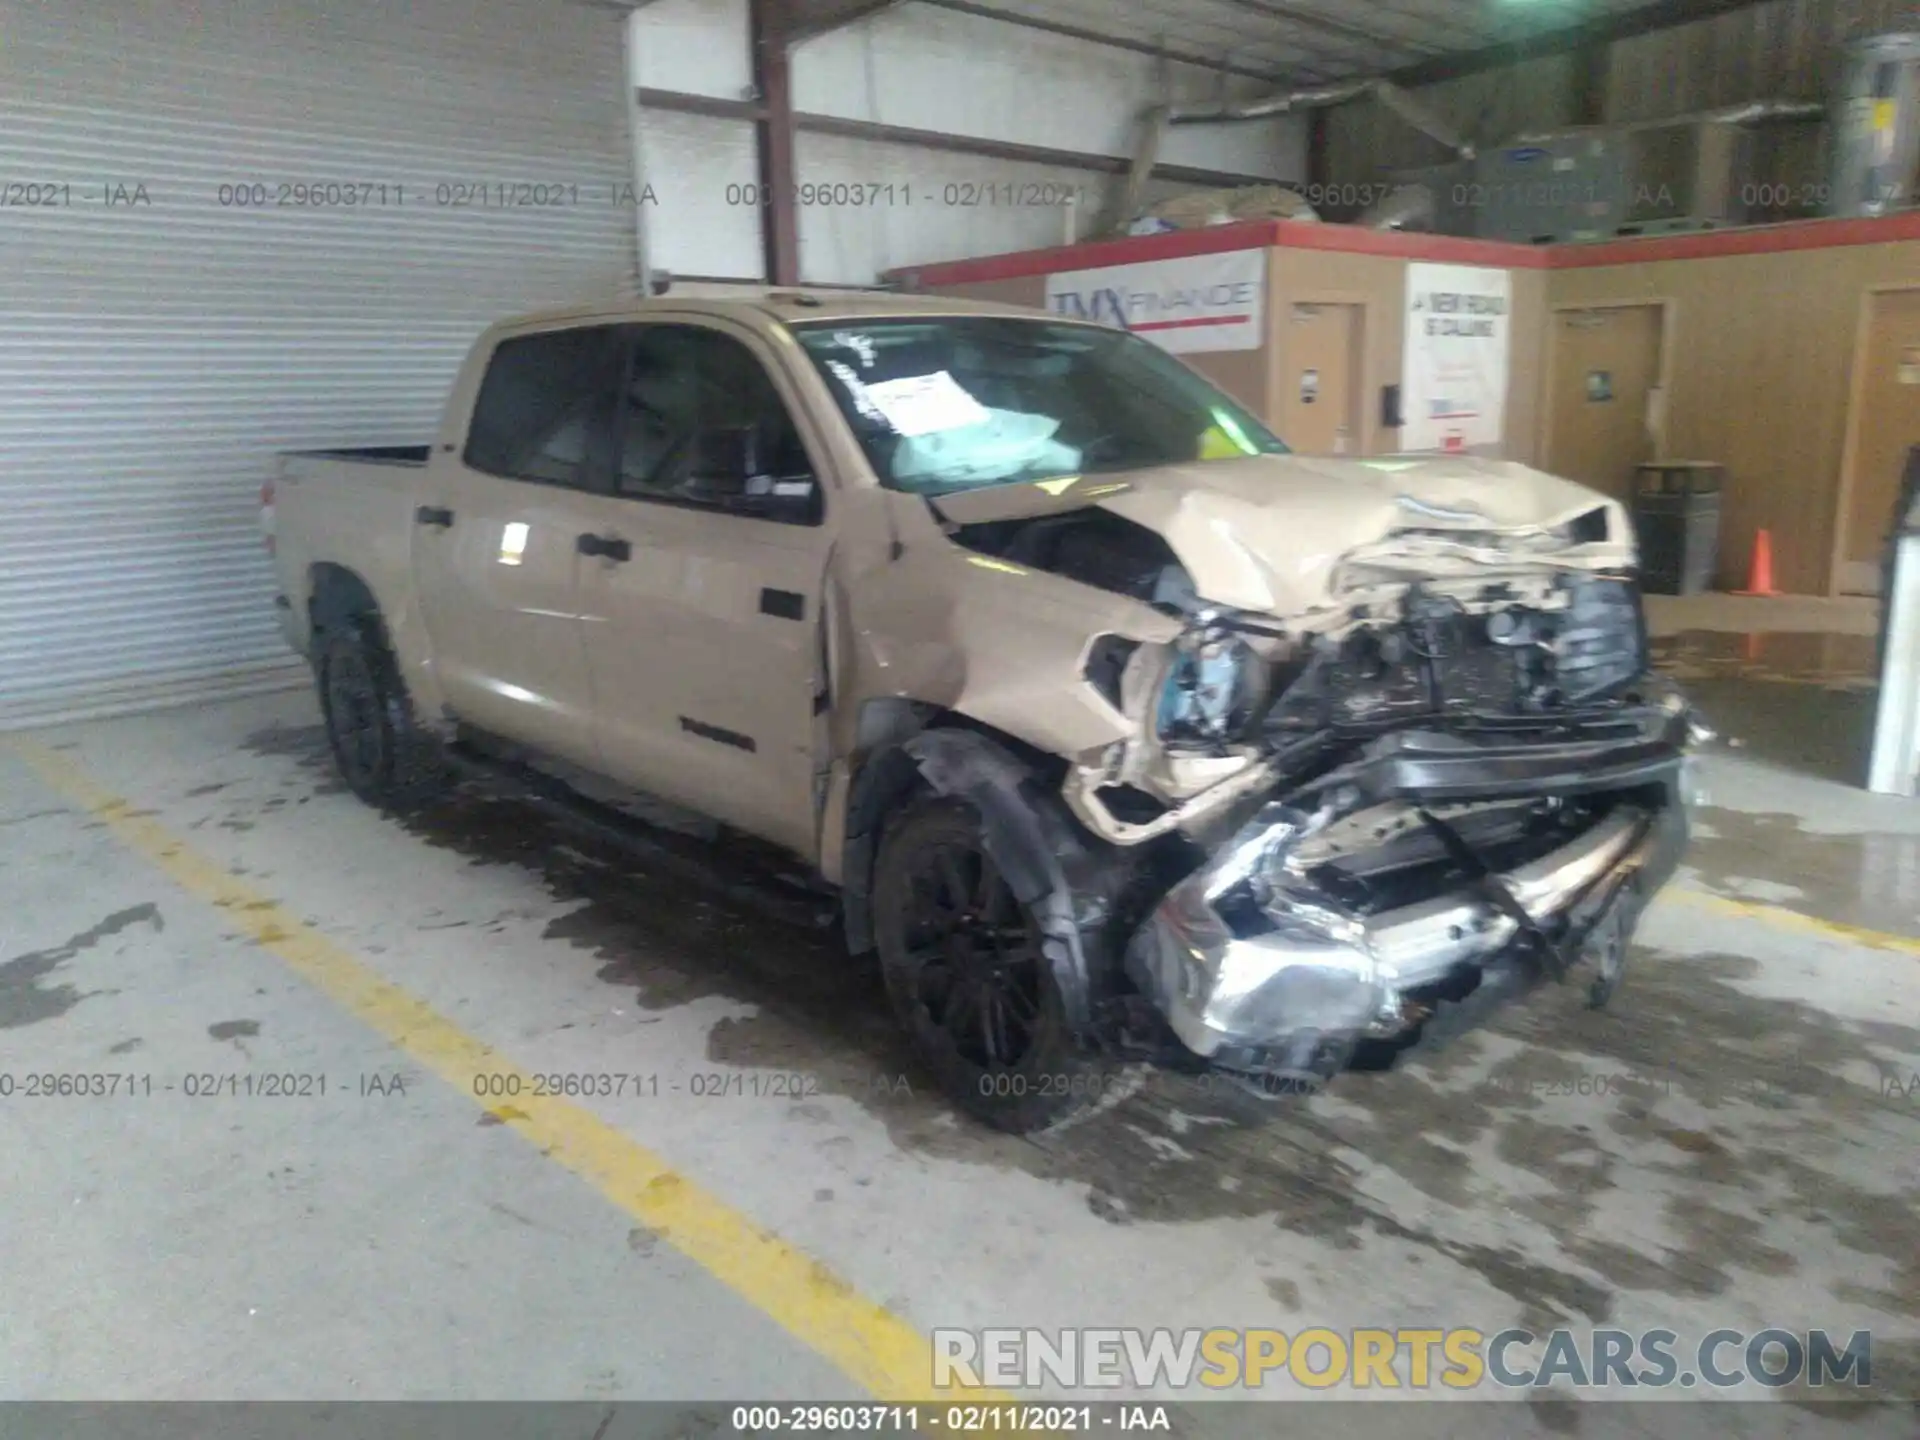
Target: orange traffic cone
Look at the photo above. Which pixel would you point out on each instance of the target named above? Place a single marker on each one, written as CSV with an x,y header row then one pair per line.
x,y
1760,570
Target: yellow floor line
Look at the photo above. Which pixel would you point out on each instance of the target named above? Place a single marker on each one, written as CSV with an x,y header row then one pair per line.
x,y
876,1349
879,1351
1783,919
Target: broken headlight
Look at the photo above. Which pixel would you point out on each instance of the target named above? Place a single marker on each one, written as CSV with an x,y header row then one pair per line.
x,y
1212,689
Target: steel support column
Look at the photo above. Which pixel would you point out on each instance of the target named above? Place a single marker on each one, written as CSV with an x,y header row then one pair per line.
x,y
770,23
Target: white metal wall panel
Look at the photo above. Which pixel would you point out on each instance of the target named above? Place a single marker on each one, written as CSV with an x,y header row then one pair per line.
x,y
867,206
702,214
960,74
701,168
154,355
698,47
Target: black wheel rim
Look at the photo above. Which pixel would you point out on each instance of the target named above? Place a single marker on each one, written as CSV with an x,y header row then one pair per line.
x,y
353,717
974,958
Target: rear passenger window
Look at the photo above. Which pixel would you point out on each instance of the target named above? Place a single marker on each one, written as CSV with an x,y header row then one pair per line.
x,y
545,407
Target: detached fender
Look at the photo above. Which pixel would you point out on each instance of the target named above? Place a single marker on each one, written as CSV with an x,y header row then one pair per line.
x,y
1049,863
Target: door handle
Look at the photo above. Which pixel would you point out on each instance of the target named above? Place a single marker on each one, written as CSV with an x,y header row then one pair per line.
x,y
607,547
433,515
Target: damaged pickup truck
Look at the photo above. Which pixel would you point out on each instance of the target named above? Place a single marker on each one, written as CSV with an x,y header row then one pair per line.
x,y
1122,732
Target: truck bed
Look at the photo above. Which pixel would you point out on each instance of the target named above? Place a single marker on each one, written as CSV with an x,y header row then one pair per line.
x,y
372,454
351,509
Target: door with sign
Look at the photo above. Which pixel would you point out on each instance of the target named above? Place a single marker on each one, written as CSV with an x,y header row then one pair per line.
x,y
1319,366
1605,375
1885,422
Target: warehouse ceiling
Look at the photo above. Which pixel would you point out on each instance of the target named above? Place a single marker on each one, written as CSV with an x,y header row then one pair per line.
x,y
1291,41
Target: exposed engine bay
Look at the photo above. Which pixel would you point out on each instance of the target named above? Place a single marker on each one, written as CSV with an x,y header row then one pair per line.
x,y
1457,768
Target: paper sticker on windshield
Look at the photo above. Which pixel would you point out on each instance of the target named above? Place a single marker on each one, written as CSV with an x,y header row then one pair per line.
x,y
923,404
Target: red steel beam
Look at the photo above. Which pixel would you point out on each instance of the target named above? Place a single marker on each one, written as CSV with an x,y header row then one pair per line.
x,y
769,23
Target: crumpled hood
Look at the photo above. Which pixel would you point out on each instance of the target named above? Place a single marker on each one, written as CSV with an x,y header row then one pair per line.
x,y
1277,532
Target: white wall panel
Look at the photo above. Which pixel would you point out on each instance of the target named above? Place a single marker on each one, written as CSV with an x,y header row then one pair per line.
x,y
154,356
961,74
923,68
704,175
922,205
698,47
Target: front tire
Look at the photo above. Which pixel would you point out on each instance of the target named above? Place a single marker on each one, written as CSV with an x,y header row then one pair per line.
x,y
378,747
966,969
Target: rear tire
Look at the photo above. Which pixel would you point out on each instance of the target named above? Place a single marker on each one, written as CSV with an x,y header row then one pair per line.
x,y
968,976
378,746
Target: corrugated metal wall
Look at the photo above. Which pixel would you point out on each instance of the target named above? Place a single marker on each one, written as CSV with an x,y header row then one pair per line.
x,y
922,68
1368,145
931,69
1782,49
160,339
1786,48
935,69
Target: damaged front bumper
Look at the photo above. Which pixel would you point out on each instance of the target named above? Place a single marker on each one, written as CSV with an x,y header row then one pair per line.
x,y
1259,969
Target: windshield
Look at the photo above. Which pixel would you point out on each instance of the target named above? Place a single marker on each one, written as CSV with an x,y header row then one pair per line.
x,y
951,403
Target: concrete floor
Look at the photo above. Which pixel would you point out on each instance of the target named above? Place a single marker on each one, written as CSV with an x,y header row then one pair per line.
x,y
1753,1162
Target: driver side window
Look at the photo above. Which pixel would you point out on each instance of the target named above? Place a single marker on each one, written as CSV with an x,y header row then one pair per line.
x,y
686,388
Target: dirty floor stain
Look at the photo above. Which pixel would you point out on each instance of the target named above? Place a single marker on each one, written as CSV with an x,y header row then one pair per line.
x,y
1734,1111
25,1000
1741,1131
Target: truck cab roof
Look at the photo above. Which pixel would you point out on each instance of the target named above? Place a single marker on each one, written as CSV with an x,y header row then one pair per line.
x,y
760,307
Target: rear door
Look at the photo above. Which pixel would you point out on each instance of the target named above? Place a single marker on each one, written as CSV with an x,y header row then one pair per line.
x,y
494,539
1320,393
700,608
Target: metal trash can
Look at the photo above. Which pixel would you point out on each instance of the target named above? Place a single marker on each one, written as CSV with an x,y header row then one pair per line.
x,y
1676,514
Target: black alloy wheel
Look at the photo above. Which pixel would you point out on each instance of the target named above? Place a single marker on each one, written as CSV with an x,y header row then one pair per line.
x,y
975,956
967,970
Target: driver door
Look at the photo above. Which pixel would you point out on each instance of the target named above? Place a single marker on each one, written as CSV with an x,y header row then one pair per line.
x,y
700,603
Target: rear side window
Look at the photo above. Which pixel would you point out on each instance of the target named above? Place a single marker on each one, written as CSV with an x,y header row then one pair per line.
x,y
544,411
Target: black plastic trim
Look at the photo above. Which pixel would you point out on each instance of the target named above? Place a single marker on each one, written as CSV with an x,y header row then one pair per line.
x,y
783,604
717,734
1497,773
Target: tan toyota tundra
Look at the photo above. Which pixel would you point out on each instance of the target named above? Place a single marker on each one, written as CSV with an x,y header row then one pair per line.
x,y
1123,733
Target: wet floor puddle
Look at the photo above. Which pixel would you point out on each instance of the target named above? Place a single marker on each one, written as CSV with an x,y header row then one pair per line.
x,y
1747,1119
1839,661
1803,702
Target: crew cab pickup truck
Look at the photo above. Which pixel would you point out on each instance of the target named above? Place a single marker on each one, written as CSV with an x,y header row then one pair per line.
x,y
1123,733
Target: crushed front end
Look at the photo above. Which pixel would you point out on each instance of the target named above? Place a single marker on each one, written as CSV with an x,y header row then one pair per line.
x,y
1386,821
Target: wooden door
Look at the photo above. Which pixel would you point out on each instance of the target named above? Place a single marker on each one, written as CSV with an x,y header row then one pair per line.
x,y
1319,382
1605,368
1886,421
